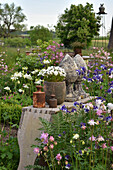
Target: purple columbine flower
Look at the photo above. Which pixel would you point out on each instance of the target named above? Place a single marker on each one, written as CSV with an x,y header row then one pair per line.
x,y
67,157
59,135
82,124
63,108
109,91
73,110
78,71
80,152
108,118
68,166
76,103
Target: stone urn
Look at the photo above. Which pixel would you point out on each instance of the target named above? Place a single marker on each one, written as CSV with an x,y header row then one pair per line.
x,y
56,88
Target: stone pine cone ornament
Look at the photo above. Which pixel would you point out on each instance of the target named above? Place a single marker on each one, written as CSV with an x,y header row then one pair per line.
x,y
75,69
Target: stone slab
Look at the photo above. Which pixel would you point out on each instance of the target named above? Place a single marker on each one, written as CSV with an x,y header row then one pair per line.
x,y
70,104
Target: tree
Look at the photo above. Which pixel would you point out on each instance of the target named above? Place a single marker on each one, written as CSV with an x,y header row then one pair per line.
x,y
40,32
11,17
77,24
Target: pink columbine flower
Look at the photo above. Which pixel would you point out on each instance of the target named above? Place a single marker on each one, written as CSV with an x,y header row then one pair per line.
x,y
112,166
111,148
83,127
58,157
51,146
51,138
61,54
36,150
104,145
44,138
55,142
99,112
45,148
92,138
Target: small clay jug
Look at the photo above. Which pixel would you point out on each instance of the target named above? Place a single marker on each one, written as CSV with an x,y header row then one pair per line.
x,y
52,102
39,98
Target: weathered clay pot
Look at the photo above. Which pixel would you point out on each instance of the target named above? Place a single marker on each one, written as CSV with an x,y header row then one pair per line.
x,y
39,98
78,51
56,88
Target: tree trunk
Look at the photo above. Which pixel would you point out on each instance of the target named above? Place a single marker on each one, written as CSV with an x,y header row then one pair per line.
x,y
110,45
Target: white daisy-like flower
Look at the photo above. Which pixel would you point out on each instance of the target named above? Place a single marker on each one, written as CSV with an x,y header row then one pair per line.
x,y
46,61
28,76
91,122
110,106
76,136
100,138
7,88
38,82
25,86
20,91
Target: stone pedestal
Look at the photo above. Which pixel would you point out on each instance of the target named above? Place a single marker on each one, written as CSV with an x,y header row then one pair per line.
x,y
29,130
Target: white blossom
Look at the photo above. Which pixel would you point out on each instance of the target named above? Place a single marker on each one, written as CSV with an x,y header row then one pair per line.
x,y
25,86
20,90
110,106
28,76
76,136
7,88
91,122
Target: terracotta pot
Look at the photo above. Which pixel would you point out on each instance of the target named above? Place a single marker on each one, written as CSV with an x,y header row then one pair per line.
x,y
56,88
28,52
39,98
78,51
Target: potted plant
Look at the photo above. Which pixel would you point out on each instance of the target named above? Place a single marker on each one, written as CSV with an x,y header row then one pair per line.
x,y
77,47
54,83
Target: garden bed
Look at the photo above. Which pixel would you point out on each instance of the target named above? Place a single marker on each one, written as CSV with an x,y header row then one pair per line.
x,y
8,132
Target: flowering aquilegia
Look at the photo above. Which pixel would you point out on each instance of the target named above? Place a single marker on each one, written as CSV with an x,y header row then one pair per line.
x,y
58,157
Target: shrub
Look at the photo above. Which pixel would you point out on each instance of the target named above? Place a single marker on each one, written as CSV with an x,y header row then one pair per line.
x,y
9,154
10,113
17,42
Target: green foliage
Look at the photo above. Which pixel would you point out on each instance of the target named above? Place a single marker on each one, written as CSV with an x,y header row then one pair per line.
x,y
30,61
10,112
77,24
17,42
40,32
9,154
72,140
11,16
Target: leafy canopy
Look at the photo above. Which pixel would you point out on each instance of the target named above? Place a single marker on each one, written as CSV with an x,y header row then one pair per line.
x,y
11,17
40,32
77,24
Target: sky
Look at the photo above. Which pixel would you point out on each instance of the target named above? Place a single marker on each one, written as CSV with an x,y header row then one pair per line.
x,y
44,12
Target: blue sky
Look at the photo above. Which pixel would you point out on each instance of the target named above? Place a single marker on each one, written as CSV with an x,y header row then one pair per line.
x,y
44,12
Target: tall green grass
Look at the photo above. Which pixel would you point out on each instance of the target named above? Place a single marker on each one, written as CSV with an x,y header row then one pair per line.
x,y
11,55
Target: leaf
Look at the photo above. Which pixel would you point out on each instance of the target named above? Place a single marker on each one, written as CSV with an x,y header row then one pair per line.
x,y
10,155
3,155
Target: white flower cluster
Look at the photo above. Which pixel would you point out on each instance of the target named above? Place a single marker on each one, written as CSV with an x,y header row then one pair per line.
x,y
19,75
53,70
46,61
28,76
16,75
